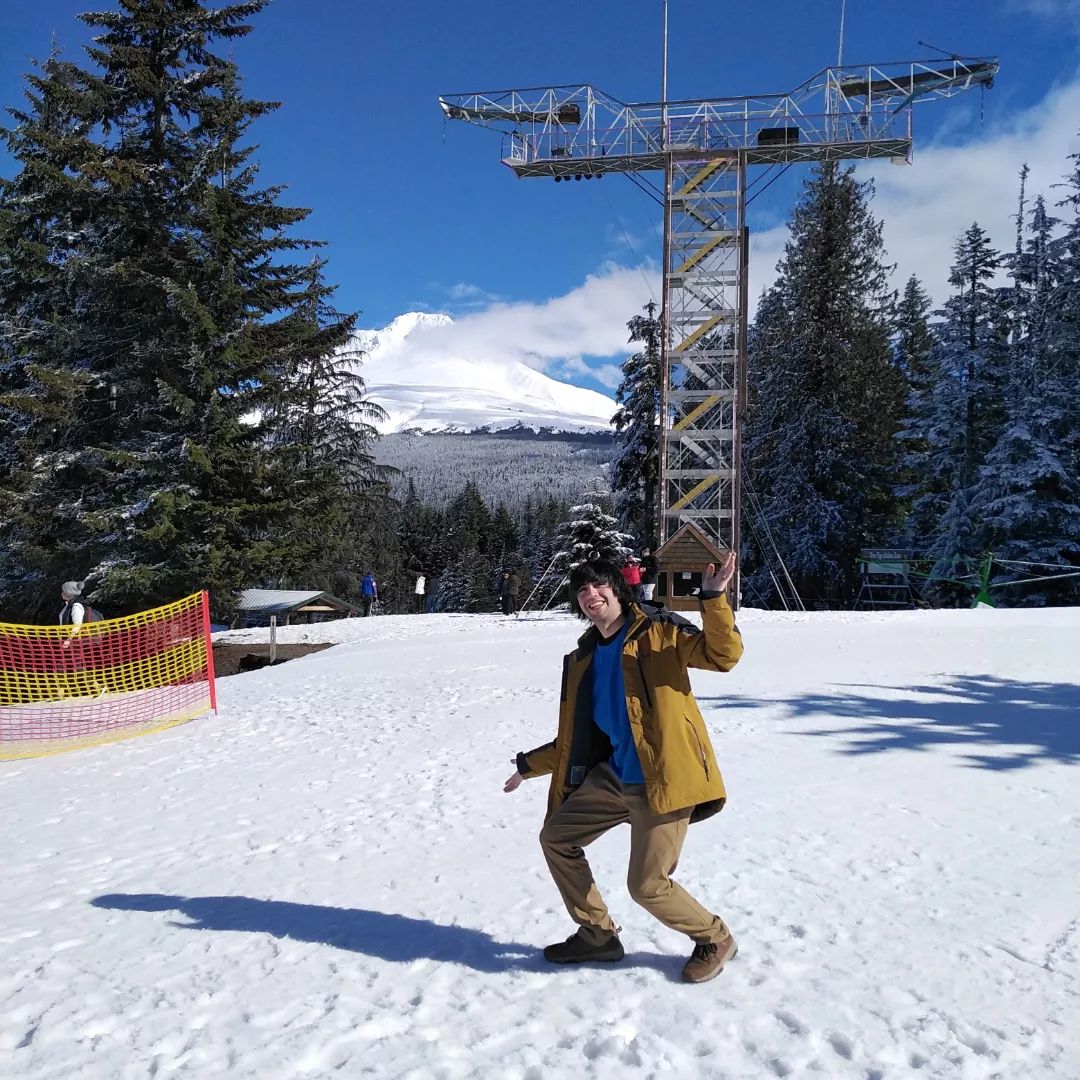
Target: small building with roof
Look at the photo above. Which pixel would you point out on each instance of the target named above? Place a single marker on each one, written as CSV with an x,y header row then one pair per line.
x,y
681,563
254,607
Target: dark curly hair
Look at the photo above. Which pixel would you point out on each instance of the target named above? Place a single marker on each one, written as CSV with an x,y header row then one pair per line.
x,y
599,572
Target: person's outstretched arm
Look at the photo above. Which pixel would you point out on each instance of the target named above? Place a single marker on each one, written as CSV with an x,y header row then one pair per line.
x,y
538,762
718,645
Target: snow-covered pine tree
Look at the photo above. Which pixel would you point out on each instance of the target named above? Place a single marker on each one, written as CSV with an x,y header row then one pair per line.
x,y
456,584
43,218
538,544
470,521
826,396
467,583
505,548
914,338
958,417
320,434
635,474
1027,497
158,485
1062,321
179,295
913,342
422,534
590,533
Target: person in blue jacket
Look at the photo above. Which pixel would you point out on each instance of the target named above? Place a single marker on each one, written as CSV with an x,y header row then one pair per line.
x,y
369,592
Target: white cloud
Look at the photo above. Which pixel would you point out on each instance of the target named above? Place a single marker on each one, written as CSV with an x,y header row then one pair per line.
x,y
1053,9
588,321
926,206
464,291
460,298
609,375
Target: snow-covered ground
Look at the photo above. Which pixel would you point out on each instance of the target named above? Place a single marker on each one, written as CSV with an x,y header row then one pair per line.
x,y
325,879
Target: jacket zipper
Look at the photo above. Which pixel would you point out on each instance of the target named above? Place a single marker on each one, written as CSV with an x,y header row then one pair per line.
x,y
701,749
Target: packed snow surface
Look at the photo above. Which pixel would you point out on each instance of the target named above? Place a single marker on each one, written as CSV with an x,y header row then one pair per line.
x,y
325,878
429,375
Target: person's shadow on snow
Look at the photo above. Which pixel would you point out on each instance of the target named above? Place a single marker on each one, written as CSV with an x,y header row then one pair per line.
x,y
386,936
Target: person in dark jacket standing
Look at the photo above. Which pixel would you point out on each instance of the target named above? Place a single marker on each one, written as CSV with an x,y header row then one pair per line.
x,y
509,587
632,748
650,568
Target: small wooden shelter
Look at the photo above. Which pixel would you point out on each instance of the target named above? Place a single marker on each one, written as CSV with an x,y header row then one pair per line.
x,y
681,564
255,607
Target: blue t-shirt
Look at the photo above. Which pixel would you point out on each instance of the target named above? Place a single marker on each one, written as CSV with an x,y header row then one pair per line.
x,y
609,709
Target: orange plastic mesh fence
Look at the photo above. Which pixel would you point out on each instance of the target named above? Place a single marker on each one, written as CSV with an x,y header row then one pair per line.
x,y
63,687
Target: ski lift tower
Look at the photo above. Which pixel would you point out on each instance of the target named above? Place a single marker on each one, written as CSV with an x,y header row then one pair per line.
x,y
704,149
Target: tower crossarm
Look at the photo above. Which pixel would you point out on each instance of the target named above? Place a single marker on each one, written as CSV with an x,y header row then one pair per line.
x,y
854,111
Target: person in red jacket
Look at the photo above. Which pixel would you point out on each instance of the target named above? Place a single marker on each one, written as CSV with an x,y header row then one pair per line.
x,y
631,571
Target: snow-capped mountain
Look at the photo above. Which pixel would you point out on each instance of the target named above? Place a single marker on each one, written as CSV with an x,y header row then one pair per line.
x,y
429,375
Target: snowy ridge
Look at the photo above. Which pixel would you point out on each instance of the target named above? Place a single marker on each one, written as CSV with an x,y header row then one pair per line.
x,y
326,880
418,370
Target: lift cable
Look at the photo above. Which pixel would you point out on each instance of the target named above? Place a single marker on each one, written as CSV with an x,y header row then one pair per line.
x,y
630,245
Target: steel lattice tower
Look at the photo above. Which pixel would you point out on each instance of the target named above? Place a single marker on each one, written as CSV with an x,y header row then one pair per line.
x,y
704,148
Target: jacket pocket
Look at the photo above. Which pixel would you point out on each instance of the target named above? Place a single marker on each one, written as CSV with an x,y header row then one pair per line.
x,y
644,682
700,748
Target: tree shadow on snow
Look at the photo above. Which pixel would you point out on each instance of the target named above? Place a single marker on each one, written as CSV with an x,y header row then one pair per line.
x,y
1001,723
385,936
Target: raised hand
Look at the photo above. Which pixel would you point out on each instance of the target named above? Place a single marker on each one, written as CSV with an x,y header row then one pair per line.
x,y
715,580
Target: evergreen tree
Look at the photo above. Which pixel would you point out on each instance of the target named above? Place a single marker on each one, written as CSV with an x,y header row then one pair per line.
x,y
589,534
1058,325
826,397
187,333
635,476
505,539
456,584
960,413
470,521
913,343
1027,497
468,583
320,429
422,534
539,528
914,338
43,214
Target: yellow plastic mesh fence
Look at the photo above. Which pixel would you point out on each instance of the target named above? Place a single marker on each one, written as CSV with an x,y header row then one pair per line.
x,y
63,687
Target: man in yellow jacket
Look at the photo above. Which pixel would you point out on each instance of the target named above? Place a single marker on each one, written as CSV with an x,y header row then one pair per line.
x,y
632,747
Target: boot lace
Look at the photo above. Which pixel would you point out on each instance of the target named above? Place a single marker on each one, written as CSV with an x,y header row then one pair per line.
x,y
705,950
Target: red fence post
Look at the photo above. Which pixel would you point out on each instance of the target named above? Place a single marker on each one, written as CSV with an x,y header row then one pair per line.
x,y
209,649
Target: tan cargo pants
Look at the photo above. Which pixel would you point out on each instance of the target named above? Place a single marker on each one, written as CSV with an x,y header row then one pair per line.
x,y
601,803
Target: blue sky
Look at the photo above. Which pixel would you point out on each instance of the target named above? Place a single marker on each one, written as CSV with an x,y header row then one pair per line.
x,y
419,214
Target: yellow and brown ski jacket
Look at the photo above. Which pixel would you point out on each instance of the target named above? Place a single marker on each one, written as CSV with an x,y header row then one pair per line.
x,y
669,733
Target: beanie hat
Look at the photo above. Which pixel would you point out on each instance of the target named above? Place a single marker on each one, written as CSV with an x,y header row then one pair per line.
x,y
73,588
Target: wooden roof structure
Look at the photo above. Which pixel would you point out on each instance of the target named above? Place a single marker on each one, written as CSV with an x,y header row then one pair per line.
x,y
291,602
676,550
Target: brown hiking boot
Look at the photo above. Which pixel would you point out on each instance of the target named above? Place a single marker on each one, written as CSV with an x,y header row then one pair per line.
x,y
575,950
708,960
